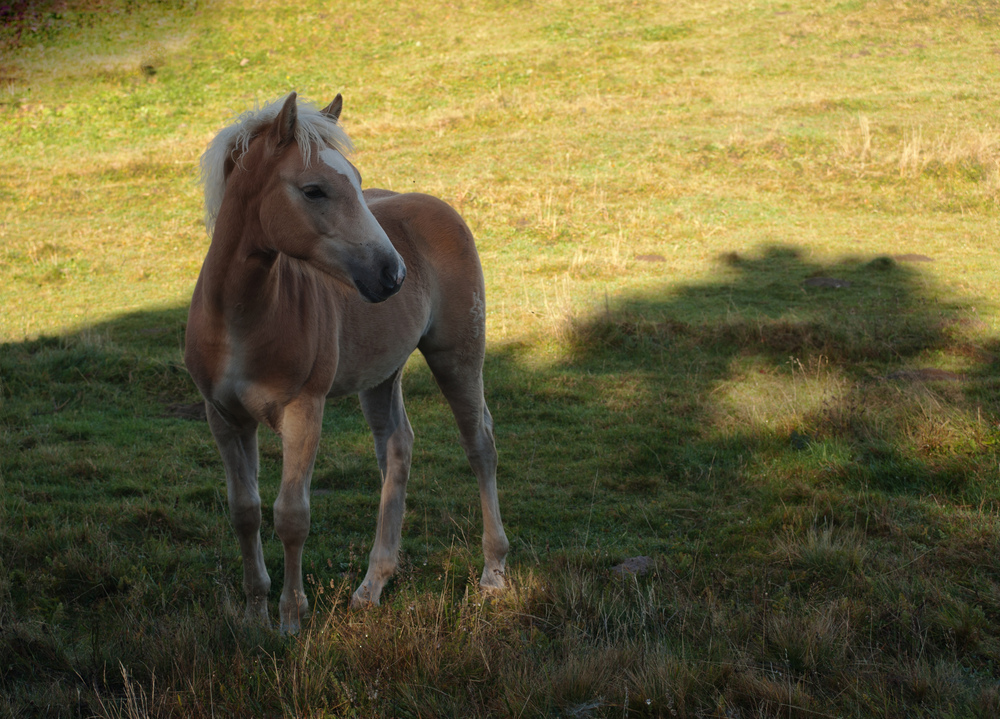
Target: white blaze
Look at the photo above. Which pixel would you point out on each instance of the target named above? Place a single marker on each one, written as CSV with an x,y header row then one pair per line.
x,y
337,161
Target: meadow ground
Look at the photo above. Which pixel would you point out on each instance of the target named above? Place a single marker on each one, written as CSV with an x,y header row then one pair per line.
x,y
740,263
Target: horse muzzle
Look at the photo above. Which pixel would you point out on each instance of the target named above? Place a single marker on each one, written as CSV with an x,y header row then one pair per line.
x,y
388,281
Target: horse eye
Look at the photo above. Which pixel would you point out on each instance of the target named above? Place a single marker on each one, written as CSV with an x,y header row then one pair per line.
x,y
313,192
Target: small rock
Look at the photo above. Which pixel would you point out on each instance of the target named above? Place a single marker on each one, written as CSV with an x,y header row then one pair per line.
x,y
633,565
244,62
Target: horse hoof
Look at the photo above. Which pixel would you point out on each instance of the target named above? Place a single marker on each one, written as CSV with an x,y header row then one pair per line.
x,y
359,603
256,612
363,598
292,611
493,581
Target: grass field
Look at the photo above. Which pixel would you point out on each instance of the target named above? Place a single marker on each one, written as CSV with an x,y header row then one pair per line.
x,y
741,277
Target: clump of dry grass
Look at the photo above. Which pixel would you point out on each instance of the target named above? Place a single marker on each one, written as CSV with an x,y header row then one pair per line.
x,y
826,553
941,154
137,703
856,142
970,153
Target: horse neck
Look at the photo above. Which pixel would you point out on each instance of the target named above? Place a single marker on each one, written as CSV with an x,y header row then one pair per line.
x,y
239,269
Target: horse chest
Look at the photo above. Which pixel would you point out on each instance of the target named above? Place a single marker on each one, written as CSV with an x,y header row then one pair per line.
x,y
259,379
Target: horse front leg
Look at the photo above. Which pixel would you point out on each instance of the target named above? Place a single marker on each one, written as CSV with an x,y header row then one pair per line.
x,y
237,444
384,411
301,425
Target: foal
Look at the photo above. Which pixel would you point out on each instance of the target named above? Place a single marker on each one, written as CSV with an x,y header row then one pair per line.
x,y
301,297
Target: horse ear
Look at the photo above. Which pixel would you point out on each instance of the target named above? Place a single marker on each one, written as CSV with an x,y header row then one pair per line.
x,y
333,109
283,130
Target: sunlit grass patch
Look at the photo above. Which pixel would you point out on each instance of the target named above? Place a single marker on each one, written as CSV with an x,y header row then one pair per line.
x,y
781,400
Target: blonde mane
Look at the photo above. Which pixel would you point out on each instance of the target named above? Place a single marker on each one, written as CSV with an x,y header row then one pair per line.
x,y
312,128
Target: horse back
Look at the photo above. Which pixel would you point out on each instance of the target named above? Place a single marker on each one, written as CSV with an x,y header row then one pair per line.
x,y
431,236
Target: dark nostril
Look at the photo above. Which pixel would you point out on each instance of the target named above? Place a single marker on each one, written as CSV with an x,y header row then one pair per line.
x,y
393,275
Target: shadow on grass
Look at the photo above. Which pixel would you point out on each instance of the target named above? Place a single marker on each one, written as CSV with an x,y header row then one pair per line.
x,y
772,372
704,425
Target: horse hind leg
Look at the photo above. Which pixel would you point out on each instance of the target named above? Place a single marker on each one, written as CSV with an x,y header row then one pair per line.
x,y
383,409
238,447
461,382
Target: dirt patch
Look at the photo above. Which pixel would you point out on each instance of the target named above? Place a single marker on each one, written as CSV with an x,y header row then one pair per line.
x,y
633,566
926,375
194,412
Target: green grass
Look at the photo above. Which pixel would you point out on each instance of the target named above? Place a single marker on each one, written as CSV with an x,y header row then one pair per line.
x,y
651,186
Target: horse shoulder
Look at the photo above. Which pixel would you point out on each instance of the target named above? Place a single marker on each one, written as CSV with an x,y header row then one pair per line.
x,y
205,345
429,233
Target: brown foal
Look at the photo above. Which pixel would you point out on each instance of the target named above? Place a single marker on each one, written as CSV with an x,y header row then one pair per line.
x,y
302,296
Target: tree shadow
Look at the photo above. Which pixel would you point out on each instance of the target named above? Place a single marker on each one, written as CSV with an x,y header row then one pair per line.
x,y
780,371
782,349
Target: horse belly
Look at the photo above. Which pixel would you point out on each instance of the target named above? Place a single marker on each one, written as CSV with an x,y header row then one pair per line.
x,y
376,340
355,374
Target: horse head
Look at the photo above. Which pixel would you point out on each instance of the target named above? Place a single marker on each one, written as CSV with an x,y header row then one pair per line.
x,y
313,210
